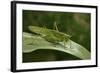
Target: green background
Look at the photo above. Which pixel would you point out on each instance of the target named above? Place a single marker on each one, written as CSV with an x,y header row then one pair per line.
x,y
75,24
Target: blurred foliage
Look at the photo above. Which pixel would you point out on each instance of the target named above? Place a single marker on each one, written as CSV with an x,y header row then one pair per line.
x,y
47,55
75,24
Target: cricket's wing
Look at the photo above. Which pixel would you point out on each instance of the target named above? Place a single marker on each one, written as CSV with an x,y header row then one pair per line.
x,y
38,30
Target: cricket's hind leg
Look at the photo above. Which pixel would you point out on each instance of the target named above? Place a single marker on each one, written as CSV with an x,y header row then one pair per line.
x,y
64,44
67,45
55,26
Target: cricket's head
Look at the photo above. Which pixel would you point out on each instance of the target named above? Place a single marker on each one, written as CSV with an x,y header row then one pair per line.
x,y
61,34
69,36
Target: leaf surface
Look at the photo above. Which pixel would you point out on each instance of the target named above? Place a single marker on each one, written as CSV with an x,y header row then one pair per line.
x,y
32,42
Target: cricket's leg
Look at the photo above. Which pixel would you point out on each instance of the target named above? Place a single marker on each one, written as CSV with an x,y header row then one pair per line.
x,y
70,43
55,26
64,43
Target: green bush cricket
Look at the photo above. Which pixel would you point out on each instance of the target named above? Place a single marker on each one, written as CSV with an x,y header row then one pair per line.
x,y
50,35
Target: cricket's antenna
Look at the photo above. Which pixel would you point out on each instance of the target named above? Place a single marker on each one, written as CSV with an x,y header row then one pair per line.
x,y
55,26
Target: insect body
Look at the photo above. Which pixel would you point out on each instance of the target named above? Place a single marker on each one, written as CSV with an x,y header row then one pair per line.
x,y
50,35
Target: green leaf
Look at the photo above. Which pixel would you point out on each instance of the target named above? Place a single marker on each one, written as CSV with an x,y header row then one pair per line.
x,y
32,42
